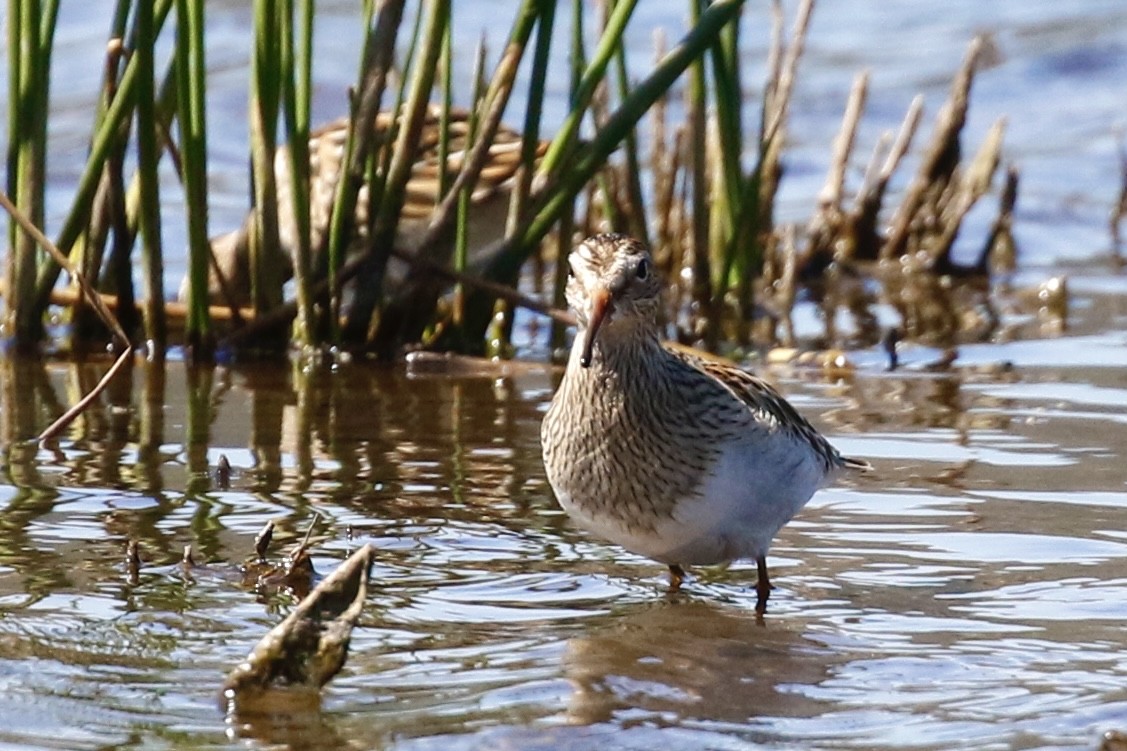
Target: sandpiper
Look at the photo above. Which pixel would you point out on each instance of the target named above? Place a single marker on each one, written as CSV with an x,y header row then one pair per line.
x,y
490,199
685,460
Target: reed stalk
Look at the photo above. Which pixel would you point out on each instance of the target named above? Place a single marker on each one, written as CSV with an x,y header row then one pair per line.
x,y
377,60
191,70
461,224
697,106
101,144
413,116
590,156
578,58
31,31
446,63
408,314
148,158
534,108
265,100
568,135
91,246
636,218
297,62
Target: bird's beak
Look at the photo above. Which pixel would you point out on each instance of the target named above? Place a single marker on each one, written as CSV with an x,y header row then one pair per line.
x,y
601,304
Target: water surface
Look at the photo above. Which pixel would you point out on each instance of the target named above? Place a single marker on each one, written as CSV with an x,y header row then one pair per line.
x,y
970,592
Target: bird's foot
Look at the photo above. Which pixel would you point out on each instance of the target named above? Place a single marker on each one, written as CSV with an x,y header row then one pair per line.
x,y
763,586
676,577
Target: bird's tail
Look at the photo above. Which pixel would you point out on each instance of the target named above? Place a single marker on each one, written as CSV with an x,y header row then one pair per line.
x,y
850,462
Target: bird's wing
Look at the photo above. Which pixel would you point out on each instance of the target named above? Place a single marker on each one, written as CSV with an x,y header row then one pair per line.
x,y
766,404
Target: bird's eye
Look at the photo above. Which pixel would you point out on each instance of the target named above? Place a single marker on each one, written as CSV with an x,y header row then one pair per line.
x,y
643,271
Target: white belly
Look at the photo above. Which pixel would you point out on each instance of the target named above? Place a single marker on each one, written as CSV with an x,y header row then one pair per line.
x,y
749,494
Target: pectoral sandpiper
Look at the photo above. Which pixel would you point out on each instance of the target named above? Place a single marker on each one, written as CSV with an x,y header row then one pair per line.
x,y
677,458
490,198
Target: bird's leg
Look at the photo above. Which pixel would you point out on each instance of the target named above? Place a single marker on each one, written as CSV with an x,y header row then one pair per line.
x,y
762,585
676,576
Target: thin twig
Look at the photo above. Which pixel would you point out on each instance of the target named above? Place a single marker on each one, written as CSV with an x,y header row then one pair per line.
x,y
175,310
501,291
80,406
91,294
285,314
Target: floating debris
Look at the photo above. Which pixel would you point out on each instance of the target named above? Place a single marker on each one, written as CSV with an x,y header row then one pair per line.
x,y
1114,740
223,473
309,647
262,541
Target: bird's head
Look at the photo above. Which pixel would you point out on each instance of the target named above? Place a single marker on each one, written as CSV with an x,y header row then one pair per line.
x,y
612,284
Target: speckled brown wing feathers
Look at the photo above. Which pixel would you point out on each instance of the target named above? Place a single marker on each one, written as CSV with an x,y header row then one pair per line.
x,y
768,405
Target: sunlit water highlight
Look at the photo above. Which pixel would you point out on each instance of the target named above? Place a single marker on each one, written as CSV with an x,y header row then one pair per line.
x,y
971,592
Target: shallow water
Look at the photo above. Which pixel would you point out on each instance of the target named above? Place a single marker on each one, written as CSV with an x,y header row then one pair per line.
x,y
970,592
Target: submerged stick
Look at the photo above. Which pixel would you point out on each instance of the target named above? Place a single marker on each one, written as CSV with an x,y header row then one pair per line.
x,y
310,646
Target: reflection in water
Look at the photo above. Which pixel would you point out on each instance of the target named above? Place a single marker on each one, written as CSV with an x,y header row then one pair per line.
x,y
690,661
971,588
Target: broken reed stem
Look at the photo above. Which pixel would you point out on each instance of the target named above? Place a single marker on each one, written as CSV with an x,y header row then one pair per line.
x,y
830,196
940,157
827,223
1120,209
96,303
780,101
903,139
976,181
88,290
80,406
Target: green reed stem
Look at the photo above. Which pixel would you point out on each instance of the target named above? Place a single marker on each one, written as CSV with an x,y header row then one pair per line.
x,y
265,100
148,158
413,307
446,64
590,157
90,247
530,143
380,163
379,49
297,63
413,117
461,226
725,73
565,141
698,166
636,218
191,70
31,30
100,146
567,217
